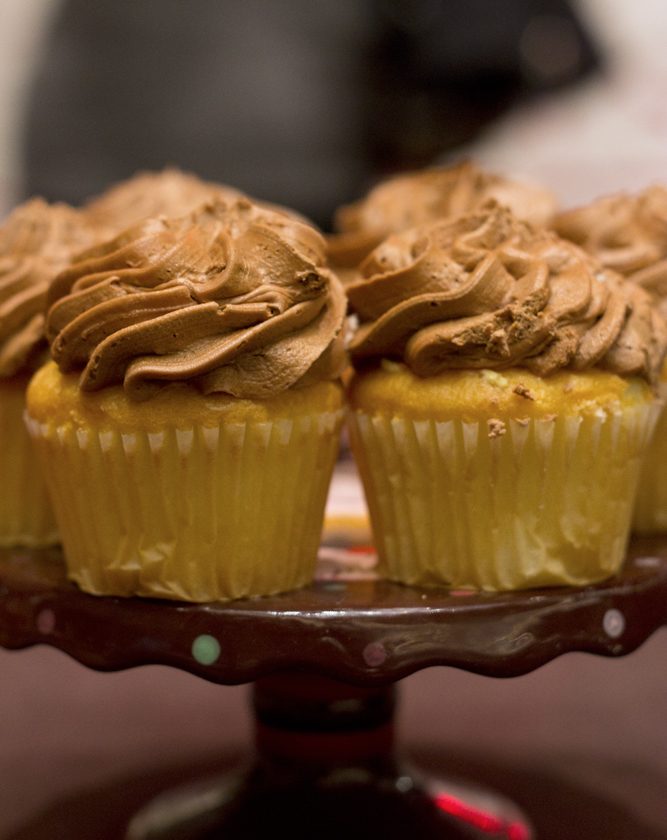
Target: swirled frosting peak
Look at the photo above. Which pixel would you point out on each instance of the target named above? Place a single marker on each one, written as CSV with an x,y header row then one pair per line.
x,y
625,232
168,192
232,298
421,197
487,291
37,240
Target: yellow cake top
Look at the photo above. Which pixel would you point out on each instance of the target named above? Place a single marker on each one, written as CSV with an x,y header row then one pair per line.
x,y
511,394
55,398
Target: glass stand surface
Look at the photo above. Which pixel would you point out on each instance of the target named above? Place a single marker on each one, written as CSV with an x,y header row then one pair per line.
x,y
324,662
325,764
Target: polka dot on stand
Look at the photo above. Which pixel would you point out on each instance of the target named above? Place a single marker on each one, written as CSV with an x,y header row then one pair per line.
x,y
206,649
613,623
647,562
375,654
46,621
334,586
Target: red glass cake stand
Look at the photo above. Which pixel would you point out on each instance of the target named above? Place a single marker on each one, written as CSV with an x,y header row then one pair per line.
x,y
324,661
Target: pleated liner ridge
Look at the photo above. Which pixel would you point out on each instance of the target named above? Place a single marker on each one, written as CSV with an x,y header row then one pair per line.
x,y
26,517
650,515
547,503
199,514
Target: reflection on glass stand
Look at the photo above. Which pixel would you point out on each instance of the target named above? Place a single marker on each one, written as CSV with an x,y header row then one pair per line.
x,y
325,765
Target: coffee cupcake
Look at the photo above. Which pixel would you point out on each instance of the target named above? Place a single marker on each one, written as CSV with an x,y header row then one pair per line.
x,y
417,198
189,423
167,192
629,234
502,401
36,242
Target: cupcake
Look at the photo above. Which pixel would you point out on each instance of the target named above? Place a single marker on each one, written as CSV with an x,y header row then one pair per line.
x,y
188,424
36,242
629,234
501,403
169,192
625,232
416,198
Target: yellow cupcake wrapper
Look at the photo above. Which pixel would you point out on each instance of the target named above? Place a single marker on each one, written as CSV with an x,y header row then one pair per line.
x,y
26,517
650,513
199,514
546,503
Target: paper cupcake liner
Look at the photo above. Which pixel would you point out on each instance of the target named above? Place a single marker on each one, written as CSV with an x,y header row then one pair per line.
x,y
548,502
26,516
650,514
198,514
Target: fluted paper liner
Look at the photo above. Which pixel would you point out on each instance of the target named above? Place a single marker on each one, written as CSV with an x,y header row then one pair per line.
x,y
26,516
549,502
650,514
198,514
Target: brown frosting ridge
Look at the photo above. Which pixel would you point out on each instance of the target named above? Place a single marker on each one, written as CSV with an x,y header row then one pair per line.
x,y
233,298
170,192
488,291
625,232
418,198
37,240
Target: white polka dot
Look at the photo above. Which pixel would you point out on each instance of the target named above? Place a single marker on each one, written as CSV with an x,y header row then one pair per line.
x,y
375,654
613,623
647,562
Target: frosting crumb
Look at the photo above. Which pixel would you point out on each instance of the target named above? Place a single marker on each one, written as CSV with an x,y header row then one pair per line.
x,y
496,428
524,392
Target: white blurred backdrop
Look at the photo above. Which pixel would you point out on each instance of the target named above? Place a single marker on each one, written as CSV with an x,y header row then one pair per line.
x,y
23,24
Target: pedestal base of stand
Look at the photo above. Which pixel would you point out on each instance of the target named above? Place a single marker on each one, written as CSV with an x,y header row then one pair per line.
x,y
325,767
347,803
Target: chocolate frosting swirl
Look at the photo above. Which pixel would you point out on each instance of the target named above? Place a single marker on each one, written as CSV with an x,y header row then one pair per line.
x,y
627,233
233,298
37,241
488,291
169,192
417,198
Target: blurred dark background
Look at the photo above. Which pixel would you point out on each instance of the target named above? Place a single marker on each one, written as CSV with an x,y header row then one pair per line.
x,y
304,103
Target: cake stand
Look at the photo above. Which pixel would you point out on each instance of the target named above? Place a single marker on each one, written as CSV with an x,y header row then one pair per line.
x,y
324,661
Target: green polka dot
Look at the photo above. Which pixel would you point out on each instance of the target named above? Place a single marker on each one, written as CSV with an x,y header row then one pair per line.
x,y
206,649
